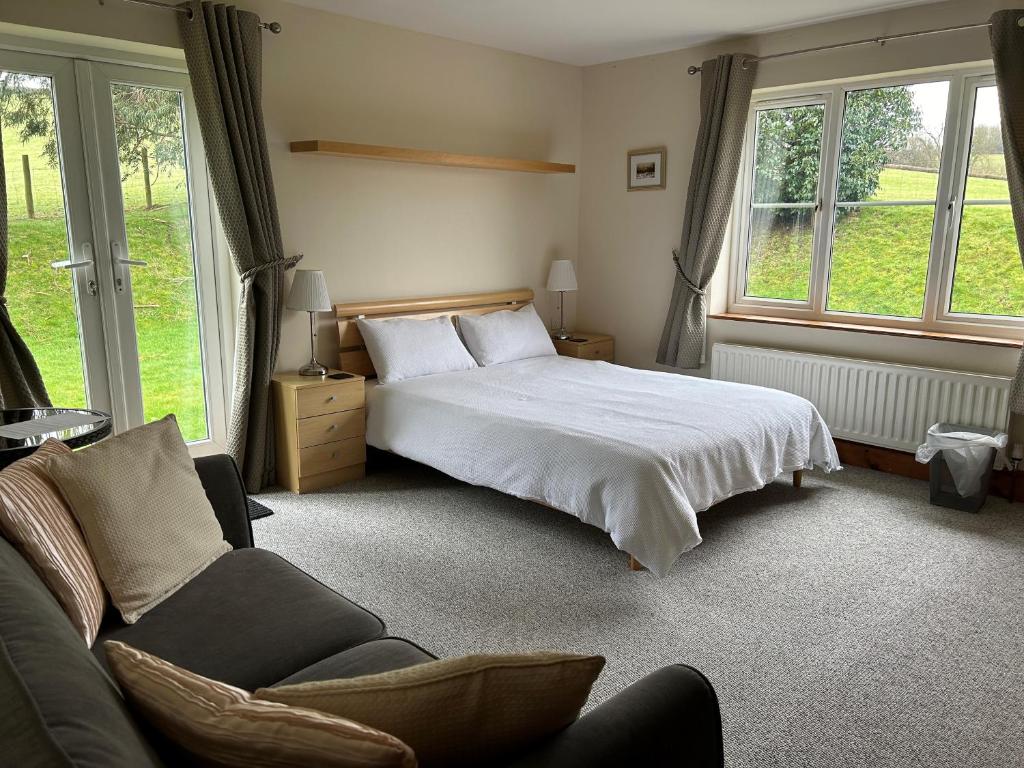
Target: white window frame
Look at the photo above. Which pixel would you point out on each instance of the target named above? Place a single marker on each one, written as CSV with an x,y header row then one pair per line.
x,y
936,317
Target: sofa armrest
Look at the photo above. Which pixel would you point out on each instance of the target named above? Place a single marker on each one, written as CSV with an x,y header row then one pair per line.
x,y
224,489
669,718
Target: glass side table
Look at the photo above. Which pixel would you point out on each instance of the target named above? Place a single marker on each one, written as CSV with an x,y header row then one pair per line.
x,y
96,426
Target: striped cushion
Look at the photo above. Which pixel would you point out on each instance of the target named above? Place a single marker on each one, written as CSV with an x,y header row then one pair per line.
x,y
35,518
465,711
225,726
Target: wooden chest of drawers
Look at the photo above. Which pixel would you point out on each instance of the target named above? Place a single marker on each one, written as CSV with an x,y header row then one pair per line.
x,y
588,346
321,429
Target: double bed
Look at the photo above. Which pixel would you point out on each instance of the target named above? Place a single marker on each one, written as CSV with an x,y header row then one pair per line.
x,y
636,453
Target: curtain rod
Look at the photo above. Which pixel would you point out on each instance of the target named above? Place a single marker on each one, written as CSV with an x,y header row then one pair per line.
x,y
273,26
882,40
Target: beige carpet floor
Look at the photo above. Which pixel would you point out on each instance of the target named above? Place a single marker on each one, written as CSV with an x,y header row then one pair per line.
x,y
848,623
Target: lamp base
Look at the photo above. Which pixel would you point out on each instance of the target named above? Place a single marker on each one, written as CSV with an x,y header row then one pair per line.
x,y
313,368
562,335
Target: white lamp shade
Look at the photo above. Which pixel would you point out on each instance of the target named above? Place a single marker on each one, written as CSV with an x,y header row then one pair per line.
x,y
309,291
562,276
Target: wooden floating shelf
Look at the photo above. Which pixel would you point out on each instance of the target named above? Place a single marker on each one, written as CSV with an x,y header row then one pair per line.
x,y
428,157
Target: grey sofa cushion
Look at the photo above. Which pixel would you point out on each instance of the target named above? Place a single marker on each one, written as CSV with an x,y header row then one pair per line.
x,y
57,706
250,619
370,658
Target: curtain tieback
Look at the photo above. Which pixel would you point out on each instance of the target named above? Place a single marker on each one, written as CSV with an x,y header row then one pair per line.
x,y
284,262
689,283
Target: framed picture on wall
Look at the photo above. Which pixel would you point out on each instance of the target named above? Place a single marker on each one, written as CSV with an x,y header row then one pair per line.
x,y
645,169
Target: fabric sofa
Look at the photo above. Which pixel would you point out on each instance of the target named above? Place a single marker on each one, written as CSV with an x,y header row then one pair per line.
x,y
252,619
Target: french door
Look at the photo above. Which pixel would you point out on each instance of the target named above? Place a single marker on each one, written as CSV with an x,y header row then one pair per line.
x,y
111,278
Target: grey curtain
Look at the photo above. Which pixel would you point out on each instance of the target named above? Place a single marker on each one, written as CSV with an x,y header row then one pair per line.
x,y
223,50
1007,38
21,385
724,100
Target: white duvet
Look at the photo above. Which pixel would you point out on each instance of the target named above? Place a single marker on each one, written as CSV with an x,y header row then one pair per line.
x,y
635,453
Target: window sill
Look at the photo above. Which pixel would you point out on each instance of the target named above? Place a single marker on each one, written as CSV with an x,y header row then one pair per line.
x,y
876,329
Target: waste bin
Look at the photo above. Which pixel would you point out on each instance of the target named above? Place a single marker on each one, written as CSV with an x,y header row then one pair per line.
x,y
960,461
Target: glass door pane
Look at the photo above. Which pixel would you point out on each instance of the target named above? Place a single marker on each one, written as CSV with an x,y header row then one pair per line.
x,y
160,255
52,295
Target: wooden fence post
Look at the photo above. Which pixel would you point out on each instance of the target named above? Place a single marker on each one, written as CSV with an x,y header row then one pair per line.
x,y
145,178
29,202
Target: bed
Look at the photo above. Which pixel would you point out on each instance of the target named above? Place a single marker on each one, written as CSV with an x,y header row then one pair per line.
x,y
635,453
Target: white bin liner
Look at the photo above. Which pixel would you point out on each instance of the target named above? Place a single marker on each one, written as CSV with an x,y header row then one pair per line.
x,y
965,453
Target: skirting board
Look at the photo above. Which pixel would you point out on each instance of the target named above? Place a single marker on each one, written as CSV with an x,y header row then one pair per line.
x,y
901,463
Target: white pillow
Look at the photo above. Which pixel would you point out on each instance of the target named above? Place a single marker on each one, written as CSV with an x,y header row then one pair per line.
x,y
403,348
501,337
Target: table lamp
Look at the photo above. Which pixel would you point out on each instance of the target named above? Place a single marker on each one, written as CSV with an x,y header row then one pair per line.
x,y
309,294
561,278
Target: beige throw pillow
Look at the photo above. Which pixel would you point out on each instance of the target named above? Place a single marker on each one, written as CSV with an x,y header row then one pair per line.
x,y
461,711
37,521
143,511
225,726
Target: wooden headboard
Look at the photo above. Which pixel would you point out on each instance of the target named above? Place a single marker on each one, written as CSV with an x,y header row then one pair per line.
x,y
353,356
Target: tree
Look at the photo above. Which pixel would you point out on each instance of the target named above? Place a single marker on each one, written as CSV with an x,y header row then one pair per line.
x,y
147,121
987,140
878,123
788,154
923,151
26,106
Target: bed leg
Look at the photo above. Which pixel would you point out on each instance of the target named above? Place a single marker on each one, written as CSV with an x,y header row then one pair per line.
x,y
798,478
634,565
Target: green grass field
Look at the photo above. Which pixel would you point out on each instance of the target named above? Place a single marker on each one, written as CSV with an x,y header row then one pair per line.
x,y
42,304
880,254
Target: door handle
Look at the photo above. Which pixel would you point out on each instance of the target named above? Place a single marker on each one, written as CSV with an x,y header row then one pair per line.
x,y
119,264
83,263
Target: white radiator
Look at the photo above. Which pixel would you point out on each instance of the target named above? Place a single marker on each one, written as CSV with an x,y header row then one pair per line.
x,y
882,404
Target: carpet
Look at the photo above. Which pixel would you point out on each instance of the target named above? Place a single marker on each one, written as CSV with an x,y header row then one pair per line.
x,y
848,623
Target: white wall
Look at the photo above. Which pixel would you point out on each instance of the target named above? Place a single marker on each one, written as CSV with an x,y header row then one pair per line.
x,y
382,229
626,238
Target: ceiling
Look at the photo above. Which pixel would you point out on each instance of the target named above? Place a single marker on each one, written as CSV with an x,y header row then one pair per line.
x,y
584,32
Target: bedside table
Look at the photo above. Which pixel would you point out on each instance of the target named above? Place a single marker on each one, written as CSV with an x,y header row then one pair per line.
x,y
589,346
321,430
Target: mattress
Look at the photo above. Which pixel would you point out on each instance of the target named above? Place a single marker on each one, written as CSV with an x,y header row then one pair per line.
x,y
635,453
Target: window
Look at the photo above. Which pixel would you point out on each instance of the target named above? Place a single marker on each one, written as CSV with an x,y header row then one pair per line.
x,y
987,277
880,203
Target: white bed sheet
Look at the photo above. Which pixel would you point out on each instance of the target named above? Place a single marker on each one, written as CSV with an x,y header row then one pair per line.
x,y
635,453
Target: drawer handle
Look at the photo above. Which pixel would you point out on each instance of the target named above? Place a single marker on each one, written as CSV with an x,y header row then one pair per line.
x,y
334,454
332,427
330,399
